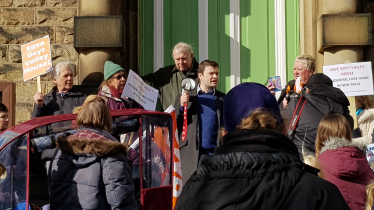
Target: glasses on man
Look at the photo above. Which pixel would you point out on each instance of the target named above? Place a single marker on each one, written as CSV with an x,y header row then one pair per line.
x,y
120,76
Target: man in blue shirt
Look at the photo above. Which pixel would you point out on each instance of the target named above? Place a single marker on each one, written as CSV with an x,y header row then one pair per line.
x,y
204,118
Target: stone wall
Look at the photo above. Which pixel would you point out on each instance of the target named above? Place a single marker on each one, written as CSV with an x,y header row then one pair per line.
x,y
22,21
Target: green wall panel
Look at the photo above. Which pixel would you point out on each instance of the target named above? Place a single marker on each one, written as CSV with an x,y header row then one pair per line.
x,y
146,36
292,35
180,25
257,56
219,40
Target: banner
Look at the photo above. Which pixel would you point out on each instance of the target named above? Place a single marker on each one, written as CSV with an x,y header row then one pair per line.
x,y
139,91
177,168
354,79
36,58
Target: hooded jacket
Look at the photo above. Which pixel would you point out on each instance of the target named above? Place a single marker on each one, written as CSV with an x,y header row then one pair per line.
x,y
323,99
90,171
257,169
365,121
344,164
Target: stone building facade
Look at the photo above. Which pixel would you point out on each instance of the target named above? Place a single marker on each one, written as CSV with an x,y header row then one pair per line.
x,y
22,21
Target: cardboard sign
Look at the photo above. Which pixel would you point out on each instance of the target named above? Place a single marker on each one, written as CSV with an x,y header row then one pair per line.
x,y
139,91
354,79
36,58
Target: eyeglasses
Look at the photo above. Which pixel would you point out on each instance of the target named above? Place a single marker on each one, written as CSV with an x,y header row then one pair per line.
x,y
120,76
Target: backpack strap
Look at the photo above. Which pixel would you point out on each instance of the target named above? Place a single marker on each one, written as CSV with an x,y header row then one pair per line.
x,y
296,115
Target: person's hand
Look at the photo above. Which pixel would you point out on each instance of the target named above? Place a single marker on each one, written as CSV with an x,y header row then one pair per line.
x,y
271,89
39,99
184,98
356,133
285,103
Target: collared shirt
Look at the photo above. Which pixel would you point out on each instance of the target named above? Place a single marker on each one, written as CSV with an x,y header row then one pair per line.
x,y
200,91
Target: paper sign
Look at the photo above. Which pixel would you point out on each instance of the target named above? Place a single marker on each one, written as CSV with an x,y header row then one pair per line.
x,y
354,79
275,82
36,58
139,91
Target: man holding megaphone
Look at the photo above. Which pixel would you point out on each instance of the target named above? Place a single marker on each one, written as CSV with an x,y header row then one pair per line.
x,y
199,116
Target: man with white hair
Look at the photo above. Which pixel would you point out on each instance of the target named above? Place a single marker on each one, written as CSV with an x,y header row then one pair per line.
x,y
168,79
60,100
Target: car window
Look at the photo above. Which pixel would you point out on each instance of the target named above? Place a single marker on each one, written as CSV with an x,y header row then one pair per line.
x,y
13,188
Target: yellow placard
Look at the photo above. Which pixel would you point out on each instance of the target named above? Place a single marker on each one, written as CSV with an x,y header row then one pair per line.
x,y
36,58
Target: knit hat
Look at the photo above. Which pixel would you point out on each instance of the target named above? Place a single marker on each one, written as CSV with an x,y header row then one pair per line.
x,y
111,68
245,98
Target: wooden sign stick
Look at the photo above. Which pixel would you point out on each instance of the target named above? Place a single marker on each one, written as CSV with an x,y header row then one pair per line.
x,y
38,84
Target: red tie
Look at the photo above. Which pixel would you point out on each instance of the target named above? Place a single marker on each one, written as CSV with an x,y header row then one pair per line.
x,y
184,132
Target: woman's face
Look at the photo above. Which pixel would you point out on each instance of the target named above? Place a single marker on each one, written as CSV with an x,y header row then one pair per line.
x,y
118,80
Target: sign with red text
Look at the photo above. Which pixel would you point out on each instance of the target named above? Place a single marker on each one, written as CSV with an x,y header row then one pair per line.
x,y
36,58
354,79
139,91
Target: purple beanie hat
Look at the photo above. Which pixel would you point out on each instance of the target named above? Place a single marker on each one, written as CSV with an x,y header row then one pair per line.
x,y
243,99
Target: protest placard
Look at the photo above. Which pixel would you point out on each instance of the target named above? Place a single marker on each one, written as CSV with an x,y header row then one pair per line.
x,y
354,79
36,58
139,91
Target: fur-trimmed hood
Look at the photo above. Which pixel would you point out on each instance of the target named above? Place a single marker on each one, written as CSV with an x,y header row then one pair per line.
x,y
343,159
84,151
334,143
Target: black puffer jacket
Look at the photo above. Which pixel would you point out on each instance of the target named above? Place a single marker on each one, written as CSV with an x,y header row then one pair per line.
x,y
90,171
257,170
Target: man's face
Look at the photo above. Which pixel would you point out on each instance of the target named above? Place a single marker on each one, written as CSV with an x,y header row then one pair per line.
x,y
300,70
209,78
4,120
183,62
64,81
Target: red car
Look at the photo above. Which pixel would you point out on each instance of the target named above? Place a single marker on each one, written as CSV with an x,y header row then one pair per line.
x,y
23,173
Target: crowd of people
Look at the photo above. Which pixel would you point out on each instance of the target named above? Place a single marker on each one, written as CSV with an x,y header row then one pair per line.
x,y
246,149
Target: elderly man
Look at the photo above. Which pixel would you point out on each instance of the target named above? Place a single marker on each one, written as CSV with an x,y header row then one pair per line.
x,y
304,67
168,79
204,118
61,99
4,117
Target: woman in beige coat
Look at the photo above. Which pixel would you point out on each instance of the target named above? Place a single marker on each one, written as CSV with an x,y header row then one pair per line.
x,y
365,119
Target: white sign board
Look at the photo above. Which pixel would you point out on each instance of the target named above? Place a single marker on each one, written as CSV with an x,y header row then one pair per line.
x,y
354,79
139,91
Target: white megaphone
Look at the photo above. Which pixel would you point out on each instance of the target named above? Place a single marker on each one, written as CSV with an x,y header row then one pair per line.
x,y
188,84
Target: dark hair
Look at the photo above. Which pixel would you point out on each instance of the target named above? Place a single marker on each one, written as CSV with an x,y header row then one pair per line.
x,y
206,63
3,108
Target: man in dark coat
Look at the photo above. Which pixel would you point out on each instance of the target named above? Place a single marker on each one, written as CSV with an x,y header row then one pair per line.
x,y
204,118
62,98
256,168
168,79
321,99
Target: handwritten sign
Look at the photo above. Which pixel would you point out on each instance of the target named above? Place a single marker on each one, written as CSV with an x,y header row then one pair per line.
x,y
139,91
354,79
36,58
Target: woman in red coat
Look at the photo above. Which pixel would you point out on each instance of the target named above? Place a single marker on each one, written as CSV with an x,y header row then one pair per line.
x,y
343,162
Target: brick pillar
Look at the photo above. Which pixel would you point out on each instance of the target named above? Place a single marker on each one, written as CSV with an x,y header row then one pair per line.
x,y
91,60
342,35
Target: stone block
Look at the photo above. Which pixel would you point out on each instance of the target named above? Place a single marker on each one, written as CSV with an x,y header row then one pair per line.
x,y
23,112
64,53
10,16
61,3
343,30
15,54
369,8
6,3
64,35
48,16
3,51
28,3
24,34
25,91
11,72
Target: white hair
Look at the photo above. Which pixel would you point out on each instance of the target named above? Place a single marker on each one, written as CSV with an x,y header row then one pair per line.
x,y
60,66
182,47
